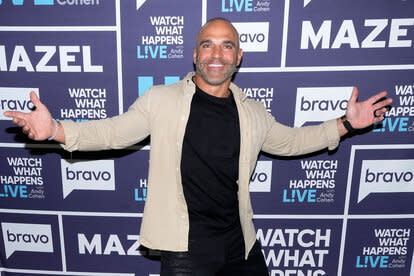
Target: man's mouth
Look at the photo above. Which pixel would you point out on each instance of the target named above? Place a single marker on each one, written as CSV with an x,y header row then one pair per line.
x,y
215,65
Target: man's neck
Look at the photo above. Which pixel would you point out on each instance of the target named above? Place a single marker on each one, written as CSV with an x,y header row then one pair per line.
x,y
221,90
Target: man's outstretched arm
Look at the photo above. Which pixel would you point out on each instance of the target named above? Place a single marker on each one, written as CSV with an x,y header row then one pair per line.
x,y
38,124
284,140
111,133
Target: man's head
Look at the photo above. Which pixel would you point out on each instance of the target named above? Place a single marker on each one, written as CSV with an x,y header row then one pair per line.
x,y
217,52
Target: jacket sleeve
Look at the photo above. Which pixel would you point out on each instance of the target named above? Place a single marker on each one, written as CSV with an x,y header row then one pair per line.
x,y
287,141
113,133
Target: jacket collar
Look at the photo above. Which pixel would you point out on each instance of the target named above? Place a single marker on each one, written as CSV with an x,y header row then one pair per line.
x,y
189,87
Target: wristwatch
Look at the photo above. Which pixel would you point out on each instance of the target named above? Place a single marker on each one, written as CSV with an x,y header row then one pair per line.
x,y
347,124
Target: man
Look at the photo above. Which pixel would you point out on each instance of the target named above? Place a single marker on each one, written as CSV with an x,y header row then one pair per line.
x,y
205,140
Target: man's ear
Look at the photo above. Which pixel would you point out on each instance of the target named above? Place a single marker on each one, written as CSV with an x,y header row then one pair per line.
x,y
194,55
239,56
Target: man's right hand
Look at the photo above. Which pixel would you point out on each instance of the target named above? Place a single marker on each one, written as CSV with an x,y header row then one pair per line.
x,y
38,124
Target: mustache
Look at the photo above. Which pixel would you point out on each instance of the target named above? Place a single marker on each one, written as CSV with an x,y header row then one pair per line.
x,y
218,61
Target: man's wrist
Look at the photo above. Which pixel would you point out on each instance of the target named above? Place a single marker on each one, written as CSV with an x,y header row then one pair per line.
x,y
55,131
347,124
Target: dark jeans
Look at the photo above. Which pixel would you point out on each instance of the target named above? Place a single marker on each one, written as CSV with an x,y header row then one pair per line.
x,y
182,264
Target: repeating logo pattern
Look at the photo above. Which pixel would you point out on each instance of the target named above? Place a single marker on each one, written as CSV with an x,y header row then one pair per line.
x,y
320,214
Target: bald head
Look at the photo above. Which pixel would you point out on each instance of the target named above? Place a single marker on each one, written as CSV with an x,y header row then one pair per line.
x,y
216,55
218,23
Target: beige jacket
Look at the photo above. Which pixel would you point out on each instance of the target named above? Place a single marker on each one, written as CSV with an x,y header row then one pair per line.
x,y
162,112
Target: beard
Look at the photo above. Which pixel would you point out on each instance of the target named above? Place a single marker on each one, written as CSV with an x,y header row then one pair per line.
x,y
231,69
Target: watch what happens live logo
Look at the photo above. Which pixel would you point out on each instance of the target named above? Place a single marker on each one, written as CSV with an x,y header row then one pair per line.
x,y
400,118
166,39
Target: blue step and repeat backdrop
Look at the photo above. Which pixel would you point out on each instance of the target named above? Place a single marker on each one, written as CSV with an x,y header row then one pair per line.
x,y
349,212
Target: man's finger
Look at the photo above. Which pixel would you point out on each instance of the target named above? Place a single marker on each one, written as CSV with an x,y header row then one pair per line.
x,y
377,97
380,112
35,99
15,114
20,123
354,95
379,119
382,104
25,130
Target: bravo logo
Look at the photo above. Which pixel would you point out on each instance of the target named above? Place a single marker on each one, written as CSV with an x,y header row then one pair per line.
x,y
386,176
87,175
253,36
261,178
318,104
26,237
16,99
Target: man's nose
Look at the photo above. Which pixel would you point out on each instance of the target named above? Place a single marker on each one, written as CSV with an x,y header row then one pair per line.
x,y
217,52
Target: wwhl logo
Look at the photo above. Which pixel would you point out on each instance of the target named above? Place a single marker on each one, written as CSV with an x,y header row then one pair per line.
x,y
26,237
87,175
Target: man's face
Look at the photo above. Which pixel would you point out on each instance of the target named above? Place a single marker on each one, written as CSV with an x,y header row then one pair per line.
x,y
217,53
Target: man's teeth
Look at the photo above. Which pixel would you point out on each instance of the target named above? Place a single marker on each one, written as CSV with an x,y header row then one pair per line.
x,y
215,65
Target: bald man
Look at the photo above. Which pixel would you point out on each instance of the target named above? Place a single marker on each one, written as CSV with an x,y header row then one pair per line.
x,y
205,139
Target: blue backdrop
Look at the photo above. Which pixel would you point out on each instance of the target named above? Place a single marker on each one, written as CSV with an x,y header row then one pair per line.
x,y
348,212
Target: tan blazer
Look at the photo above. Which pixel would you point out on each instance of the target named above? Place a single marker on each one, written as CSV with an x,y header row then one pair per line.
x,y
162,112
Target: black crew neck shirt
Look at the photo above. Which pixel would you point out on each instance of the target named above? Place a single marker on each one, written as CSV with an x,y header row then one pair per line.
x,y
209,171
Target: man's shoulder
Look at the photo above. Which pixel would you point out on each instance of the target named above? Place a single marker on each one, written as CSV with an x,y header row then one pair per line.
x,y
251,103
254,103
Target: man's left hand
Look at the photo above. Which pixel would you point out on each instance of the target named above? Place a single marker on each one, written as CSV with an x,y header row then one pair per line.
x,y
364,114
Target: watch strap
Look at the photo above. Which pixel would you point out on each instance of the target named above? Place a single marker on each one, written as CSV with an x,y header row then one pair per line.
x,y
347,124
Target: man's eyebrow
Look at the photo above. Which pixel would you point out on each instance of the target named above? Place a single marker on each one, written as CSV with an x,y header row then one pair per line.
x,y
229,42
224,42
205,41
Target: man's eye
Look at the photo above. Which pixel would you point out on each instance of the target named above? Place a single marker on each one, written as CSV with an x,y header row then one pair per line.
x,y
205,45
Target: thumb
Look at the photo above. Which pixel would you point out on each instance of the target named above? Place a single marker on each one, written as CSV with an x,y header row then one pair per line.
x,y
354,95
35,99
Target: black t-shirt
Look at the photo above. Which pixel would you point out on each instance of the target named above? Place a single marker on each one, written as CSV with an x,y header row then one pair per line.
x,y
209,170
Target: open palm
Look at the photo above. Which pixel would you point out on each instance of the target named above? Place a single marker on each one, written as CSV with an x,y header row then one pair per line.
x,y
368,112
38,124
